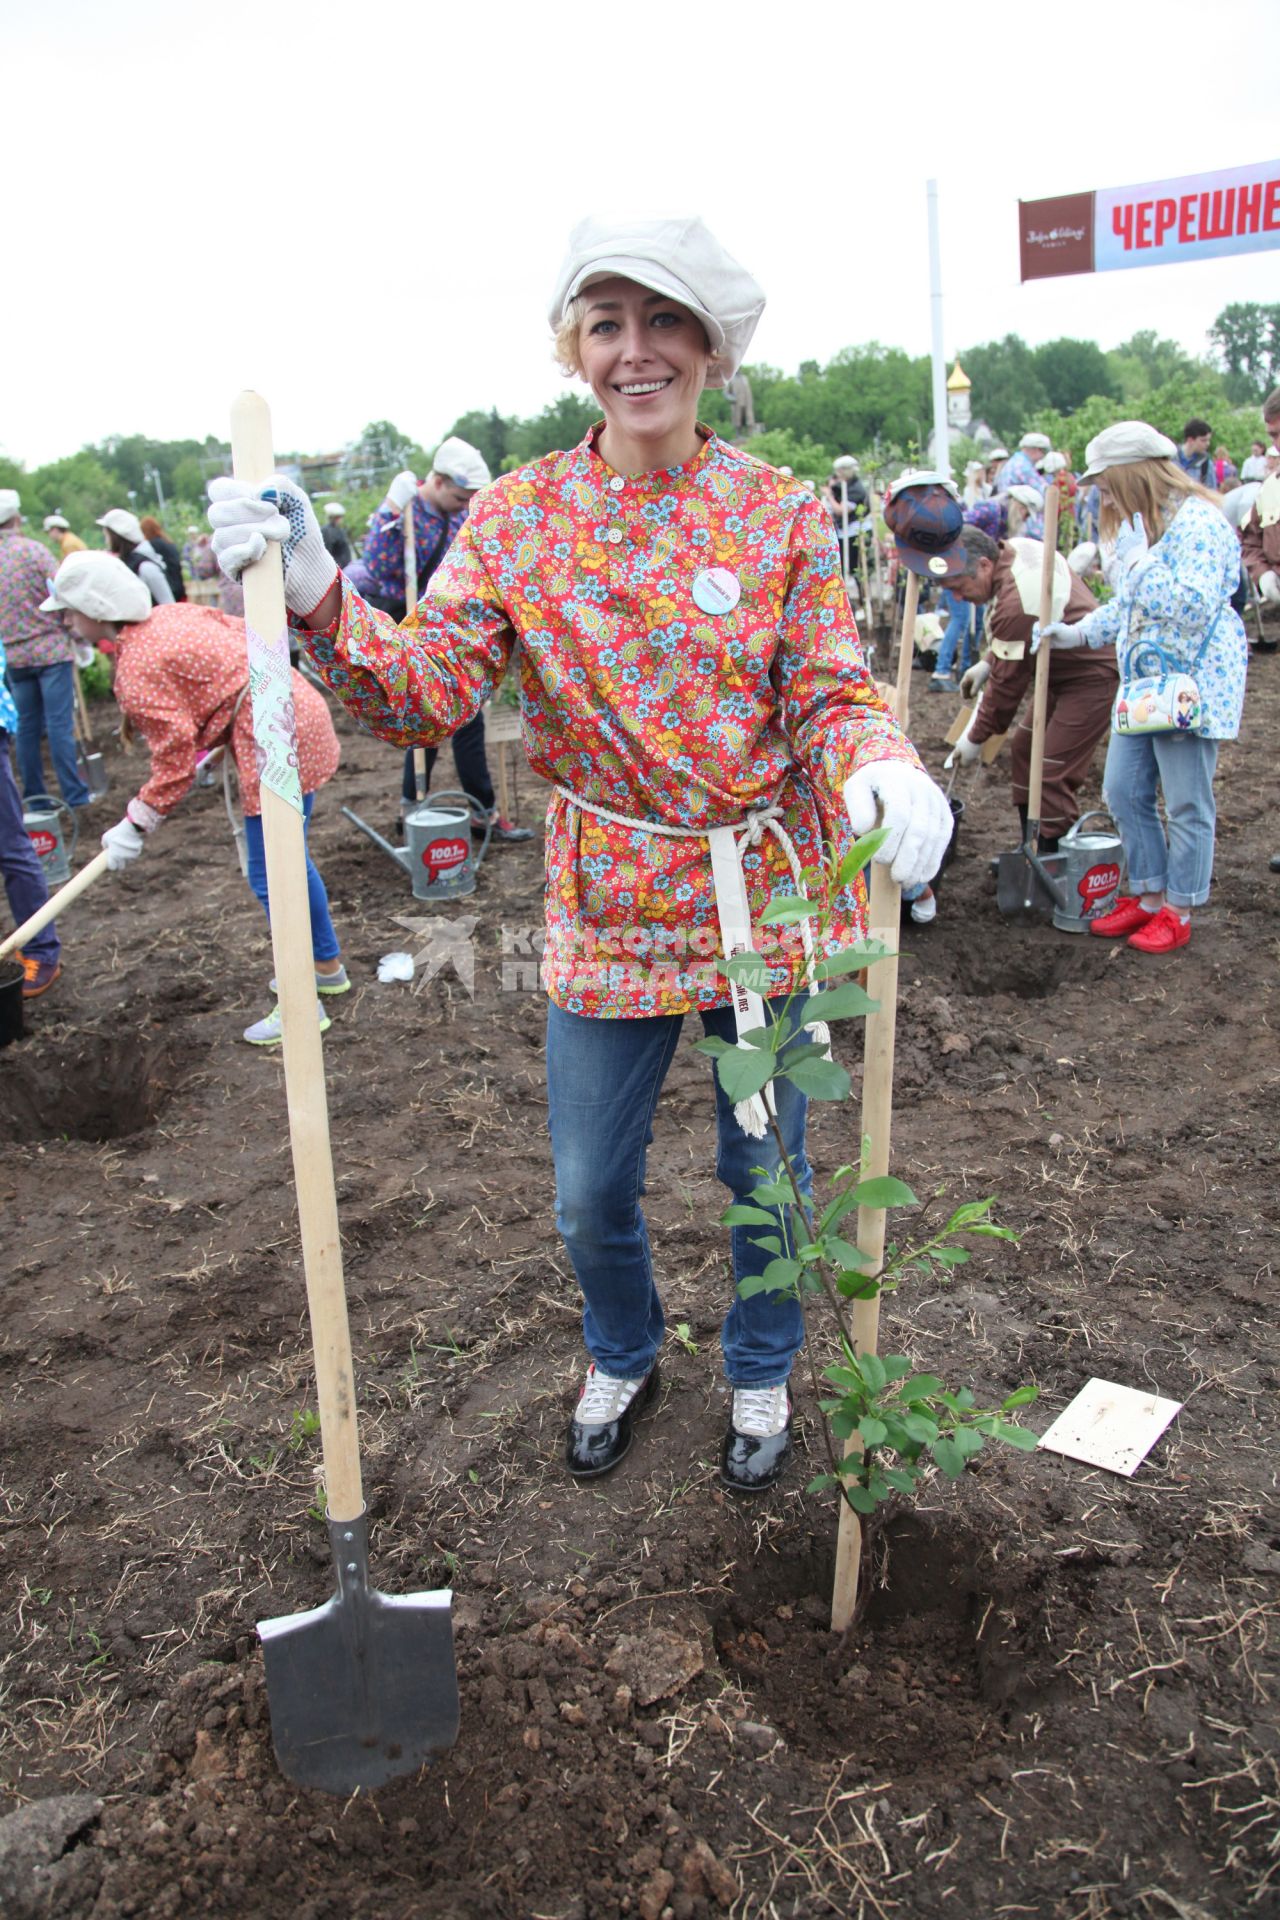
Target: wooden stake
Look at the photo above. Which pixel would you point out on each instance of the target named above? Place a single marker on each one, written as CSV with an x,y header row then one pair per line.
x,y
54,904
410,614
265,618
877,1116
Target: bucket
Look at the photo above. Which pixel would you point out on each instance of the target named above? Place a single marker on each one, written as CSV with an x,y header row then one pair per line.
x,y
1088,867
11,978
438,843
40,817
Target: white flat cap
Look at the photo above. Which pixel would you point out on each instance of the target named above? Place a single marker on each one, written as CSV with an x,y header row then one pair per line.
x,y
462,463
10,503
52,520
127,525
1028,497
1053,463
99,585
997,453
681,258
845,464
1121,445
1036,442
333,508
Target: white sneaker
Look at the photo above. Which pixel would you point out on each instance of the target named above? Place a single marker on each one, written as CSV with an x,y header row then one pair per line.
x,y
270,1031
924,909
604,1397
761,1412
338,982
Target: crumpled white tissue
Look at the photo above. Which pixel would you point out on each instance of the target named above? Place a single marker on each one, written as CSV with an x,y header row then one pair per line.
x,y
395,966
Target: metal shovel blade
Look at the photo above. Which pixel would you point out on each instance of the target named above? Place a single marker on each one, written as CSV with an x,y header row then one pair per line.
x,y
93,771
1023,887
364,1688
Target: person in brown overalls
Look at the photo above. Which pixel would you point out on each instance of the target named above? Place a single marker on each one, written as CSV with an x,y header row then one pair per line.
x,y
1082,684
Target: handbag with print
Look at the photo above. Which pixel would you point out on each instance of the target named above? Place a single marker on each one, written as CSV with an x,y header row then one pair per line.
x,y
1163,700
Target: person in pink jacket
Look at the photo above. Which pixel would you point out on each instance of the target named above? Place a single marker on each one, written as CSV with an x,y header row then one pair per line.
x,y
182,682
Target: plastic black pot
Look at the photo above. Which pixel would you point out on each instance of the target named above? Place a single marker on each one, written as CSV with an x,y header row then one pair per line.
x,y
11,978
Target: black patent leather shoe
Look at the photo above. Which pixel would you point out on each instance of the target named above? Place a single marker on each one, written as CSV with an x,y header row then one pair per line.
x,y
750,1462
596,1449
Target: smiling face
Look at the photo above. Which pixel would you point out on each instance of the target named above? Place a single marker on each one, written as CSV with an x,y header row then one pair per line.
x,y
645,358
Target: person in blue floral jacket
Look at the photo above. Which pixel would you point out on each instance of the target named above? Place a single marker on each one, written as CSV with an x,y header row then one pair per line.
x,y
1173,563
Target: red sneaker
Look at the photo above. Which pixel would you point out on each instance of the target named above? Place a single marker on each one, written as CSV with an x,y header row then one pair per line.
x,y
1127,915
1163,932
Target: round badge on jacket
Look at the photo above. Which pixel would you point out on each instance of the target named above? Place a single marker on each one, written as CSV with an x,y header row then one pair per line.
x,y
716,590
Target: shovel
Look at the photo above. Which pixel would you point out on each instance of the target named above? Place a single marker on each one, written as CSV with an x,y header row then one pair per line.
x,y
411,614
1024,887
93,768
363,1688
53,906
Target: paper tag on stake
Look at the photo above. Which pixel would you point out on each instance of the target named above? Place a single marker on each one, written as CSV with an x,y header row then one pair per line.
x,y
275,730
1110,1426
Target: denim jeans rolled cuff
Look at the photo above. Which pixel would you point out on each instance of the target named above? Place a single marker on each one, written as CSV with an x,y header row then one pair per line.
x,y
1173,856
603,1082
46,703
324,941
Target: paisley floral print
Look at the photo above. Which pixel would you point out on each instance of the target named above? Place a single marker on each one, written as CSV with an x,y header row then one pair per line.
x,y
637,700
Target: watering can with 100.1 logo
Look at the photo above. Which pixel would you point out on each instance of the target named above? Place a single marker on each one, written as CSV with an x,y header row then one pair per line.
x,y
437,856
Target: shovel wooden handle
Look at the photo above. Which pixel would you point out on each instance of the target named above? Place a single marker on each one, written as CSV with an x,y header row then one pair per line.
x,y
1040,699
282,827
54,904
880,1030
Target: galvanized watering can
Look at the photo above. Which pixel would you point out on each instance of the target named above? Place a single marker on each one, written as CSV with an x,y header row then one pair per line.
x,y
1088,868
40,817
438,855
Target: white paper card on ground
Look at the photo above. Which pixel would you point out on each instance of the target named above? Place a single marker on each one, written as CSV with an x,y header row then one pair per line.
x,y
1110,1426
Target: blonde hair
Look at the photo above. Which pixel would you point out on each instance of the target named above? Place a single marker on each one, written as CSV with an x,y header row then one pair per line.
x,y
1153,488
564,346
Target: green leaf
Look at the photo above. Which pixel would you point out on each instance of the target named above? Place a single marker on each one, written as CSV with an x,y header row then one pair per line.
x,y
711,1044
872,1369
949,1256
845,1251
782,1274
949,1458
853,959
1020,1397
863,850
874,1432
740,1216
842,1425
1016,1436
848,1002
750,970
788,909
896,1366
773,1193
901,1479
844,1377
769,1241
967,1440
741,1073
820,1483
884,1191
921,1386
861,1499
753,1284
820,1079
957,1402
921,1428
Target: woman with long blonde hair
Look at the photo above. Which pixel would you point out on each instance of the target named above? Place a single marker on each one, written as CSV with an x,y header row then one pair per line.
x,y
1172,562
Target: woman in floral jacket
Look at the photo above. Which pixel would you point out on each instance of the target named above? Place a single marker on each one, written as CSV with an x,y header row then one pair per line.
x,y
1171,613
693,689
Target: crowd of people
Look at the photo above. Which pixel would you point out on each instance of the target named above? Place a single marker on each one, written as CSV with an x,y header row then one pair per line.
x,y
695,695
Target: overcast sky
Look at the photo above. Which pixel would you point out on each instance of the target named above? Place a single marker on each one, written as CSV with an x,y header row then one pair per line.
x,y
360,211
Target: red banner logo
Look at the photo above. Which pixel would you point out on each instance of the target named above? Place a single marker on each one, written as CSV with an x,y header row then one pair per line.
x,y
442,856
1098,883
43,842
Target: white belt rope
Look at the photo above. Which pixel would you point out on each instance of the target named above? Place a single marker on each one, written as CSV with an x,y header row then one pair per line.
x,y
733,910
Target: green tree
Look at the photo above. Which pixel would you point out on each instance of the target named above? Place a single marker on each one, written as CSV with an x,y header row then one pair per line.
x,y
1007,386
1247,337
554,430
778,447
1144,362
1072,370
489,432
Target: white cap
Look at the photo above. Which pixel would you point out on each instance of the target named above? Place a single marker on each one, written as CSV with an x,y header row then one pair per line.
x,y
100,585
997,453
52,520
924,477
193,529
334,508
1029,497
1035,442
680,258
10,503
1121,445
1053,463
461,463
127,525
845,464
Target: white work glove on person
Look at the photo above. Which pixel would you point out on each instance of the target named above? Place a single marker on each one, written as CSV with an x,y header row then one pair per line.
x,y
402,490
966,750
904,799
123,843
972,682
1131,549
1083,558
84,654
1058,634
1269,587
246,517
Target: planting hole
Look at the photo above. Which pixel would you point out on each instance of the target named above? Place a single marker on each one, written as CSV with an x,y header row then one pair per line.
x,y
92,1086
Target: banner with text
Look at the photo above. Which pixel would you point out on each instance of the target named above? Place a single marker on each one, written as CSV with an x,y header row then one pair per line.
x,y
1195,217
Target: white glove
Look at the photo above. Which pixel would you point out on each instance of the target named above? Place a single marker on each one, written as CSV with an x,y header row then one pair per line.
x,y
1269,586
914,810
246,517
1058,634
123,843
84,653
964,750
1132,544
972,682
402,490
1084,558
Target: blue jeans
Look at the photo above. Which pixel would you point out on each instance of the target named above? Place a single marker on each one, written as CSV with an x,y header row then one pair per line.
x,y
24,880
1177,862
46,702
324,941
603,1082
957,633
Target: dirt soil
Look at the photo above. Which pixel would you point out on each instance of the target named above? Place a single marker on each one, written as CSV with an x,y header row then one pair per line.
x,y
1060,1700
